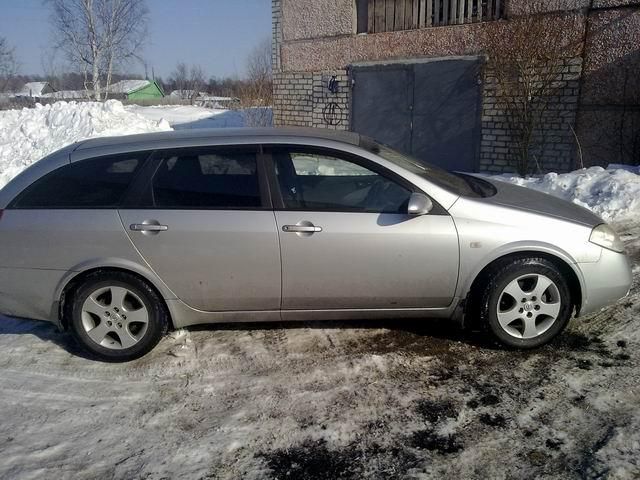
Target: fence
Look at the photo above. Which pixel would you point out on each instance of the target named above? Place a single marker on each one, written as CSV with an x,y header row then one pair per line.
x,y
376,16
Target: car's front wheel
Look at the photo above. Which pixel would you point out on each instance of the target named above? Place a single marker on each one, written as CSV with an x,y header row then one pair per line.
x,y
525,302
116,316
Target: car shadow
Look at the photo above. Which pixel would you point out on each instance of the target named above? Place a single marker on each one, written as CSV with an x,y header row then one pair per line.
x,y
436,329
45,331
423,336
427,334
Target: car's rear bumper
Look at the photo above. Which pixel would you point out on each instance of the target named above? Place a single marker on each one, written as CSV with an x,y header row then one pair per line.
x,y
605,281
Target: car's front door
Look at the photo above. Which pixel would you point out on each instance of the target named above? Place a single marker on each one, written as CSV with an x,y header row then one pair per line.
x,y
347,241
204,225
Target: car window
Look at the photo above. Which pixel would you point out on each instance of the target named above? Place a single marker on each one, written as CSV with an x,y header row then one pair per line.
x,y
207,180
323,181
93,183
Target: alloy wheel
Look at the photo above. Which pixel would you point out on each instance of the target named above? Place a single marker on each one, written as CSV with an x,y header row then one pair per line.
x,y
528,306
114,317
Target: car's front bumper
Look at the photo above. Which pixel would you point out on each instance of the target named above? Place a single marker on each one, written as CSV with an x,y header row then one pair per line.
x,y
605,281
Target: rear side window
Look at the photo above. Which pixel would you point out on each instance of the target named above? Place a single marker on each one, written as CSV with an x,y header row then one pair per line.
x,y
94,183
207,180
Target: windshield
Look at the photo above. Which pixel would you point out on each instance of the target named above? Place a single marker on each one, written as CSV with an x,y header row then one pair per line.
x,y
459,184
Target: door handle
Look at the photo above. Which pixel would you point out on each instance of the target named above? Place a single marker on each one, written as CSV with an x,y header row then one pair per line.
x,y
301,229
151,227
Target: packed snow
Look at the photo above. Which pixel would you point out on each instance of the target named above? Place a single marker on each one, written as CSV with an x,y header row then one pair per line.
x,y
29,134
182,117
384,400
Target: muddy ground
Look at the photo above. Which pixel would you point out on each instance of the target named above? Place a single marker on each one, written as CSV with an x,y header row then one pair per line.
x,y
377,400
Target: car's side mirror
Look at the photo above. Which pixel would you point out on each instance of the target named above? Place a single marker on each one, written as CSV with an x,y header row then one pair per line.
x,y
419,204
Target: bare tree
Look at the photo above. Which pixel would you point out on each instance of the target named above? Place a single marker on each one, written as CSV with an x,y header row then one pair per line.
x,y
525,60
126,30
8,64
196,81
97,35
256,92
188,81
180,78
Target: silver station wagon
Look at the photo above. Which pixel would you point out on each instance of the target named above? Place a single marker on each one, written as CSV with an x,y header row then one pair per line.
x,y
119,239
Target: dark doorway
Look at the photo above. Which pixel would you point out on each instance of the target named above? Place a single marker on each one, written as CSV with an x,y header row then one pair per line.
x,y
429,109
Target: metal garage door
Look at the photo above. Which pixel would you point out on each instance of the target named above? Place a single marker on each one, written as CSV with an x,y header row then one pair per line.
x,y
429,109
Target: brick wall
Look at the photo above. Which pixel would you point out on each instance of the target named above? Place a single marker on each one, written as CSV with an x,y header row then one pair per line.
x,y
555,145
303,99
293,99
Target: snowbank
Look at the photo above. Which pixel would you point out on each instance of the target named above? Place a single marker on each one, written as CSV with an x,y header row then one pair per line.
x,y
29,134
613,193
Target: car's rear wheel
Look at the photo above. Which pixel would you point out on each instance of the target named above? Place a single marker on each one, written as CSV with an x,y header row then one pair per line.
x,y
116,316
525,302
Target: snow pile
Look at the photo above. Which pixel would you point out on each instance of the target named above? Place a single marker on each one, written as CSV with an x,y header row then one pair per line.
x,y
29,134
613,193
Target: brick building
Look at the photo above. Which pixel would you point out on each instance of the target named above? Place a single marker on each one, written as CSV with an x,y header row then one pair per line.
x,y
412,73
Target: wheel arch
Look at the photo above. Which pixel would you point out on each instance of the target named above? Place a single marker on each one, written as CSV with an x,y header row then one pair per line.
x,y
561,261
71,281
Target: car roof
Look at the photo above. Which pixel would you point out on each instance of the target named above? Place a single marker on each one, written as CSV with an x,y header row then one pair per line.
x,y
243,135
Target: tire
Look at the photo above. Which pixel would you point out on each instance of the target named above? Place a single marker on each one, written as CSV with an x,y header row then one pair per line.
x,y
524,302
116,316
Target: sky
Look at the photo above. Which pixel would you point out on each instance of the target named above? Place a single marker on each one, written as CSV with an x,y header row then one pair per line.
x,y
215,34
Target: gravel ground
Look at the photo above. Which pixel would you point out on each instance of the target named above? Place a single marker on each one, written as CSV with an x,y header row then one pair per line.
x,y
413,399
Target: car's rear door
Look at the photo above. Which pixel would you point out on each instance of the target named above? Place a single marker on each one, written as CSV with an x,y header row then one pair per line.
x,y
346,238
205,225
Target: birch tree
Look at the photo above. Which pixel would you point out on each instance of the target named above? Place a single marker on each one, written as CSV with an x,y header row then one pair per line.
x,y
98,35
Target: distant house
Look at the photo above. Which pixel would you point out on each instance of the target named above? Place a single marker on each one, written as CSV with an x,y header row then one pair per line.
x,y
35,89
136,90
185,94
